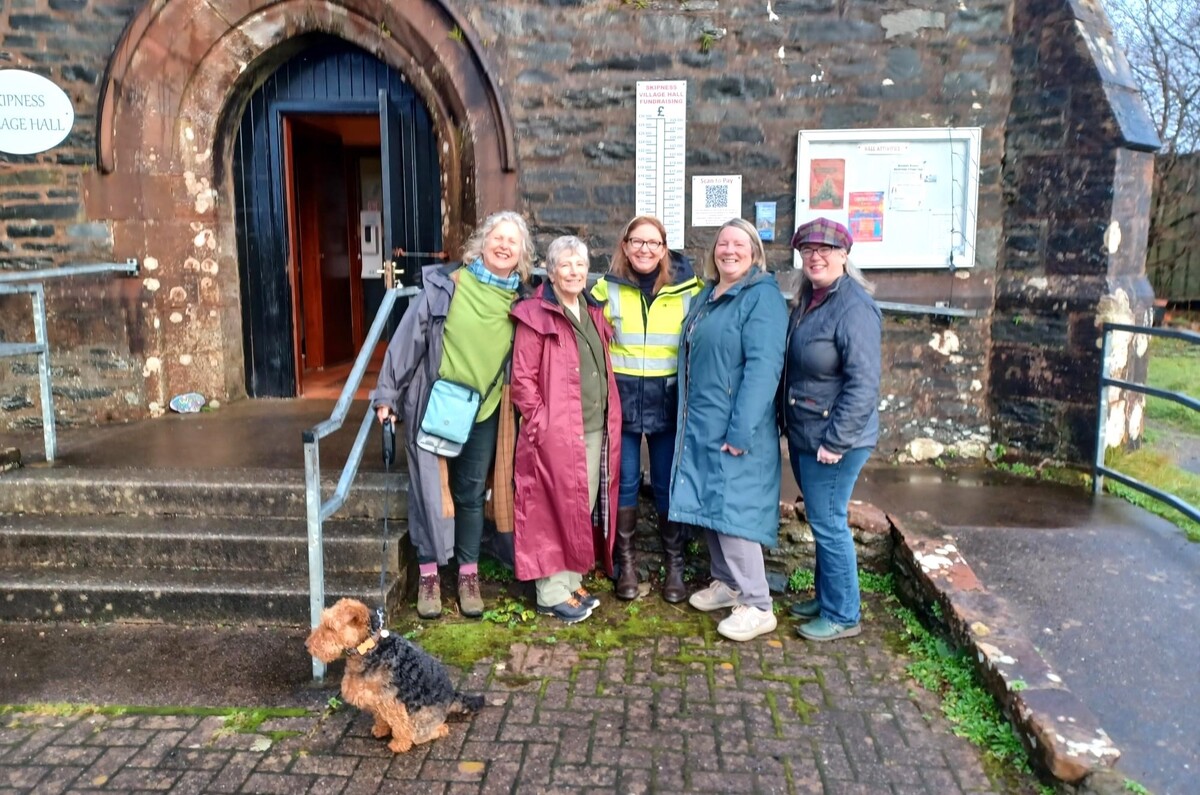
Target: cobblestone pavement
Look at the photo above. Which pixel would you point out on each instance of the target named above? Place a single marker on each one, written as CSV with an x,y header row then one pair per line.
x,y
696,714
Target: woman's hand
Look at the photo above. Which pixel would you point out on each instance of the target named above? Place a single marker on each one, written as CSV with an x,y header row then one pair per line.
x,y
728,448
826,457
382,413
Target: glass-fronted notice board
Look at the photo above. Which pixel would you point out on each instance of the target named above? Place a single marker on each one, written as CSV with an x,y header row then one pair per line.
x,y
908,196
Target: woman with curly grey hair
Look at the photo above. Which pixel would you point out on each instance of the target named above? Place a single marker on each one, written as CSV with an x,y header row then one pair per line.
x,y
459,331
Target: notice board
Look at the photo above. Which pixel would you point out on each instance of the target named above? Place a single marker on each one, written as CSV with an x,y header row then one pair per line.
x,y
909,196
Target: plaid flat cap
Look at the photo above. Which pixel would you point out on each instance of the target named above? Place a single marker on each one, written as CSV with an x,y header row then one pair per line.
x,y
822,230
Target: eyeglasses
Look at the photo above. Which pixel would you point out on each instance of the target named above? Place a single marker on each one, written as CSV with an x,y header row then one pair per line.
x,y
807,252
650,245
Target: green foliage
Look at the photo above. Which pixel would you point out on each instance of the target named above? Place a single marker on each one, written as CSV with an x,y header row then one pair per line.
x,y
493,570
1174,365
456,34
510,613
974,714
1158,469
801,580
706,41
1135,787
870,582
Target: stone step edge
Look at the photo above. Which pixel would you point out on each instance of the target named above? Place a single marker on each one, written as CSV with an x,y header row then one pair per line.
x,y
196,528
117,579
1058,729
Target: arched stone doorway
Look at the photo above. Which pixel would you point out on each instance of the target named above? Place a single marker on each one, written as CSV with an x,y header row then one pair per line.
x,y
173,96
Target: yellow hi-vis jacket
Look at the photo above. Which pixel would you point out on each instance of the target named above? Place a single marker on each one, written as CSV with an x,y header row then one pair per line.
x,y
645,347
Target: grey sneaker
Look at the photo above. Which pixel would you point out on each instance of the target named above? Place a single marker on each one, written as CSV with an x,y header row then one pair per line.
x,y
470,601
714,597
429,597
747,622
823,629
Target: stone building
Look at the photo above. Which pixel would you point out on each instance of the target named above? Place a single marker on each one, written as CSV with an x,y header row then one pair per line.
x,y
229,146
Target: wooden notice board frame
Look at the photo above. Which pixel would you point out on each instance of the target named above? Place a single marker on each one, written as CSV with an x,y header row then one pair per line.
x,y
909,196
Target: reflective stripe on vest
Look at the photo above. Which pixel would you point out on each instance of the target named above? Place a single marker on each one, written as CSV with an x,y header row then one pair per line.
x,y
641,351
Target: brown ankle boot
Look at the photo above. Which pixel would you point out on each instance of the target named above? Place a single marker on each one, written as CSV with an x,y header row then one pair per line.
x,y
623,555
429,596
672,535
470,601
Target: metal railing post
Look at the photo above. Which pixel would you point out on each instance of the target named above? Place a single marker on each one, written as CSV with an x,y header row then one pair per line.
x,y
1101,415
42,337
316,544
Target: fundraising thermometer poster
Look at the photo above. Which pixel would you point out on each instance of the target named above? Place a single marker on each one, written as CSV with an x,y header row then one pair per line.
x,y
661,140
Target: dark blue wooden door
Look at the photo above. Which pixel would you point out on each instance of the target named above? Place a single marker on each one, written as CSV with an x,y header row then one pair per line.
x,y
330,76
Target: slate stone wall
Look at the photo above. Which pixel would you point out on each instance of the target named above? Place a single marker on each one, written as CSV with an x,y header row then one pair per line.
x,y
757,74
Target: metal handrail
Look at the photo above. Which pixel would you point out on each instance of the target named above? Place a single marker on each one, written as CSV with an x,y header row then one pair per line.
x,y
317,511
1099,470
14,282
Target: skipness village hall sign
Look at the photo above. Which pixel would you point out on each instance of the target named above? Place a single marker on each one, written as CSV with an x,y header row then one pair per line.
x,y
35,114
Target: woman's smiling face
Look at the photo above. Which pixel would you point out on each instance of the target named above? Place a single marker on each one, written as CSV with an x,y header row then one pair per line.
x,y
733,254
502,248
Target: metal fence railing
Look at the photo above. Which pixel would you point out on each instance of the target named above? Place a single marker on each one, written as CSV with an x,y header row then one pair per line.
x,y
1099,470
318,510
30,282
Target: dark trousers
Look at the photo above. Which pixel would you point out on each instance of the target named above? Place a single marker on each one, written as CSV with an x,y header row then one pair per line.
x,y
468,487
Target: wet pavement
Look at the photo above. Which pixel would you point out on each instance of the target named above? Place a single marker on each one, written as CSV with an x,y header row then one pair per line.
x,y
1105,590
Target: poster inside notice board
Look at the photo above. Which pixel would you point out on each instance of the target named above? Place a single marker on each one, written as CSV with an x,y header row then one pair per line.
x,y
908,196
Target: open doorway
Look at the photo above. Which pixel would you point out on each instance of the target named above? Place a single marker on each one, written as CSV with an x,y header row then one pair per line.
x,y
335,195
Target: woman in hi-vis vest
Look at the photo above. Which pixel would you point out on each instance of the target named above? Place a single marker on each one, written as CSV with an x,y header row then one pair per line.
x,y
647,292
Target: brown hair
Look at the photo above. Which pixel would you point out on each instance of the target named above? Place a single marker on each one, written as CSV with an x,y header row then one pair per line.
x,y
620,263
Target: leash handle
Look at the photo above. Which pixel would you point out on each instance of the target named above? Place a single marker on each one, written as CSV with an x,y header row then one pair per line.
x,y
389,443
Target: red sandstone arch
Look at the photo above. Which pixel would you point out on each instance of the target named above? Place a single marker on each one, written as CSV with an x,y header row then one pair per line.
x,y
172,97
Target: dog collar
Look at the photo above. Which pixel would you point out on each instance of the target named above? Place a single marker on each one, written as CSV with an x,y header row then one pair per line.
x,y
371,642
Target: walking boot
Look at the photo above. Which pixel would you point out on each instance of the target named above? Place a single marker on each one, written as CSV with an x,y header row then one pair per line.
x,y
623,555
470,601
672,535
429,596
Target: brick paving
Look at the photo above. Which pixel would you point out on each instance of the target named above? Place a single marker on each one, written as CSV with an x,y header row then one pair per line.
x,y
700,714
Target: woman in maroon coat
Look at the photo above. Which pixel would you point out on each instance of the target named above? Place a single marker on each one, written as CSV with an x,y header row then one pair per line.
x,y
569,446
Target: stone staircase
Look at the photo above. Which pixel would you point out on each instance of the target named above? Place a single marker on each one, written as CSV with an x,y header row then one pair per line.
x,y
182,546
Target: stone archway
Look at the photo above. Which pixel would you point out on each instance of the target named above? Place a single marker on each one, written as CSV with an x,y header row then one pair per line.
x,y
171,100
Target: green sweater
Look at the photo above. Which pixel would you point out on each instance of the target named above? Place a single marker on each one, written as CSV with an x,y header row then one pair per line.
x,y
477,338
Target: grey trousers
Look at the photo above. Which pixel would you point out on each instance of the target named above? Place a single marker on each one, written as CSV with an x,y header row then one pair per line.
x,y
739,564
557,588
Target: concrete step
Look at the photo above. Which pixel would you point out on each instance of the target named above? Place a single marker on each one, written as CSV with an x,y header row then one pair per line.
x,y
96,593
202,492
193,543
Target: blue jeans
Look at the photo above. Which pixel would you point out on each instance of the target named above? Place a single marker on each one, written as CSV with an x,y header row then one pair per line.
x,y
662,450
826,489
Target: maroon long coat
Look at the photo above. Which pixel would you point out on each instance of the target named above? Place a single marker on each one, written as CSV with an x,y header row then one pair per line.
x,y
554,529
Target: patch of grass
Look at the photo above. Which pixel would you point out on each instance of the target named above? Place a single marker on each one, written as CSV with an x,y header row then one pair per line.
x,y
1135,787
801,580
1157,469
237,720
1174,365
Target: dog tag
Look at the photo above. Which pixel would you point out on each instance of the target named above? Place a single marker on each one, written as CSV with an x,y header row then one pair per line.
x,y
383,633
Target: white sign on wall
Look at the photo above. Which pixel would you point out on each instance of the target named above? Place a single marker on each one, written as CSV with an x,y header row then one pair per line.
x,y
35,114
716,199
661,139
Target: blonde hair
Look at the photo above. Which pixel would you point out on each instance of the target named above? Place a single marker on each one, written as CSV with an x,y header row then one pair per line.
x,y
620,266
852,270
473,249
758,254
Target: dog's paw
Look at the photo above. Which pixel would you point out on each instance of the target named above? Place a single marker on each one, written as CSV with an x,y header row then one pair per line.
x,y
400,745
380,730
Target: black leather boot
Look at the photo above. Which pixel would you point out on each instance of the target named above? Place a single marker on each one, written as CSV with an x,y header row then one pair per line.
x,y
673,535
623,555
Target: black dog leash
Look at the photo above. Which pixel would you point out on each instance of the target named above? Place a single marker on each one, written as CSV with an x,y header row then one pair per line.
x,y
389,456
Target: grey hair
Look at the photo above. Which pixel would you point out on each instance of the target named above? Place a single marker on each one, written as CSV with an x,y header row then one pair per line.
x,y
473,249
852,270
560,247
758,254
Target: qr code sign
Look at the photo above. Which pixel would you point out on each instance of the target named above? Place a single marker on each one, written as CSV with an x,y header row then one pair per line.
x,y
716,196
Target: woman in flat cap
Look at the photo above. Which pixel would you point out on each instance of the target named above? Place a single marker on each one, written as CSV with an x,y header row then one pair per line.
x,y
830,394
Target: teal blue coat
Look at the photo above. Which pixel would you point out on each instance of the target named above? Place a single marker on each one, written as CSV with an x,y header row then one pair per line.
x,y
730,359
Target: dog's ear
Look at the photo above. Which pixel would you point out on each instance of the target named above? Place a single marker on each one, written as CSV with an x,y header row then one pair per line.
x,y
358,614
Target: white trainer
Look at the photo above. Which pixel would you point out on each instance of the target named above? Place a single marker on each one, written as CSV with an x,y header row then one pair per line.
x,y
747,623
714,597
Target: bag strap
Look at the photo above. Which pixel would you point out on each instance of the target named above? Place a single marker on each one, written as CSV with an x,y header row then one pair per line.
x,y
500,372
